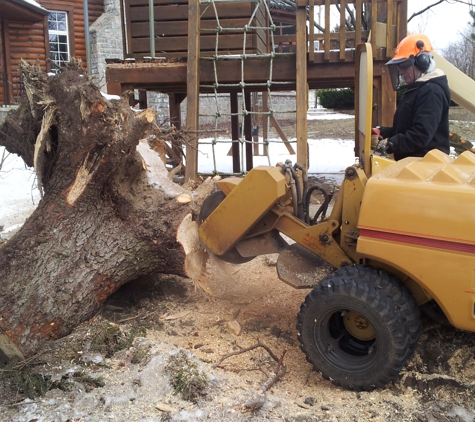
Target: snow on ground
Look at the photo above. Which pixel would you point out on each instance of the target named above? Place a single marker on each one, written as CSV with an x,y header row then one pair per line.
x,y
326,155
19,195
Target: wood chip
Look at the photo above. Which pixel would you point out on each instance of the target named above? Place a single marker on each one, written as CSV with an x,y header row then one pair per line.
x,y
175,316
235,327
165,407
302,405
184,198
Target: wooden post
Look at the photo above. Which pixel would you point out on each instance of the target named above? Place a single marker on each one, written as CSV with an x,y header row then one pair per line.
x,y
114,88
174,101
358,11
255,123
248,131
235,132
390,42
311,33
301,86
342,29
326,54
401,25
374,16
143,102
192,88
265,120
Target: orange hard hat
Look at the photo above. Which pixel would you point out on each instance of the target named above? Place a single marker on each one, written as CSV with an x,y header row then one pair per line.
x,y
410,47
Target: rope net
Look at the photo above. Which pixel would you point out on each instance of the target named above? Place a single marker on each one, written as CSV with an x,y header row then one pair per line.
x,y
248,93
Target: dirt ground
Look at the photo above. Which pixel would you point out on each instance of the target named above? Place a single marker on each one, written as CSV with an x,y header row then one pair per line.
x,y
156,318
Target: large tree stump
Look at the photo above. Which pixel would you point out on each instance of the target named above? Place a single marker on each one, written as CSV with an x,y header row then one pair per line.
x,y
100,222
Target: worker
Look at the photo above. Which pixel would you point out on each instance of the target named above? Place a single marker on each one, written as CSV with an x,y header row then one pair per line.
x,y
421,121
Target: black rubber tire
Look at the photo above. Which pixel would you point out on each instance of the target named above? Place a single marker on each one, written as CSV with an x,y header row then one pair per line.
x,y
347,361
210,204
394,288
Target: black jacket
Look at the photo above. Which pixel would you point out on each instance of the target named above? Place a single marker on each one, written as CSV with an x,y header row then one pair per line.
x,y
421,121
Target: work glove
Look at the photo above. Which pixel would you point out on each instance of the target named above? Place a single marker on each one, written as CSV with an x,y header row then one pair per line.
x,y
381,145
378,143
375,131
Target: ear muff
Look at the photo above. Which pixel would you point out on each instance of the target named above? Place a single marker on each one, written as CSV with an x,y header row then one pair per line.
x,y
422,60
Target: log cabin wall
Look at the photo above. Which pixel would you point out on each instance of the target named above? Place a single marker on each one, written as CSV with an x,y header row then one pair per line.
x,y
29,41
2,68
171,28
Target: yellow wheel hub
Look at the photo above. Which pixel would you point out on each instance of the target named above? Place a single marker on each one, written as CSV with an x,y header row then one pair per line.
x,y
358,326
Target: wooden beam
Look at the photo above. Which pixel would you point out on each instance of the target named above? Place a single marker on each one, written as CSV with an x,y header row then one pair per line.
x,y
301,87
255,123
174,101
192,89
265,120
326,41
358,11
311,33
342,29
401,26
235,132
248,131
390,42
114,88
143,102
374,20
282,135
172,76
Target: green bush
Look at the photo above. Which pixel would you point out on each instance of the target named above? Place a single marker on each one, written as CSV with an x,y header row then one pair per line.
x,y
337,98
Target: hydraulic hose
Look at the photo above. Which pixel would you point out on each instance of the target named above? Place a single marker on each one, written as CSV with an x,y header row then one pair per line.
x,y
305,187
293,189
322,210
295,177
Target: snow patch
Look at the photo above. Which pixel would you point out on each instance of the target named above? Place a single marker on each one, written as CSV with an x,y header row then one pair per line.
x,y
110,96
322,114
325,155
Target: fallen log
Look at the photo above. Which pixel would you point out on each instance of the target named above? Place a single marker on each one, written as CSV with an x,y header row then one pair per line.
x,y
105,218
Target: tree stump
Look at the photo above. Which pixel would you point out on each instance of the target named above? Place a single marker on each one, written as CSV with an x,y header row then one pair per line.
x,y
102,220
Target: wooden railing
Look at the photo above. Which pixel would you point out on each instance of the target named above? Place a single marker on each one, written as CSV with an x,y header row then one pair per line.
x,y
334,28
383,23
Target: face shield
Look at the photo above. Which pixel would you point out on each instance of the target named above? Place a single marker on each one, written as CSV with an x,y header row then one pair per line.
x,y
403,73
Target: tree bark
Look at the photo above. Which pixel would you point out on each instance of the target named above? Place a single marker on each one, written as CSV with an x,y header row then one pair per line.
x,y
100,223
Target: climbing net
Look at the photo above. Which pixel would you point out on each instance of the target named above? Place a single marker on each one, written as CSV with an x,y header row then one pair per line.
x,y
219,113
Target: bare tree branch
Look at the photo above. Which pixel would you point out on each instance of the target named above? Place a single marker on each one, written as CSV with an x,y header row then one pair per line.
x,y
468,3
424,10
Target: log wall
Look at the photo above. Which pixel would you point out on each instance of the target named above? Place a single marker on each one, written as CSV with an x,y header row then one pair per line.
x,y
2,75
30,41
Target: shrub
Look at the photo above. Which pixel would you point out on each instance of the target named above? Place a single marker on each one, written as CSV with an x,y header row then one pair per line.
x,y
337,98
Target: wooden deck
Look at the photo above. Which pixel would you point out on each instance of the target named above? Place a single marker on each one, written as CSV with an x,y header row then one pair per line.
x,y
170,76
